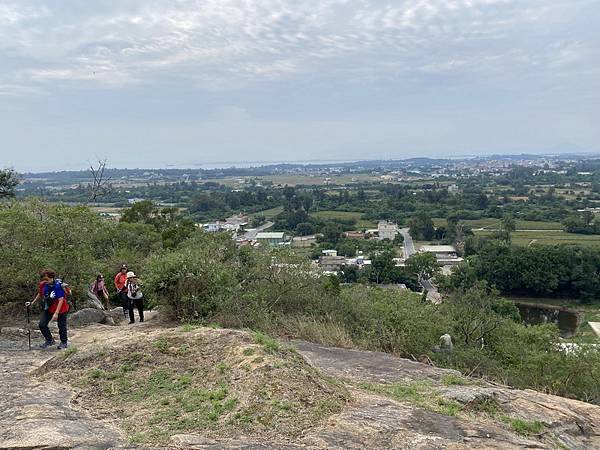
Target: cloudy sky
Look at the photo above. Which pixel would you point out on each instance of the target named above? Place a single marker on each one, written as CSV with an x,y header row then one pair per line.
x,y
149,83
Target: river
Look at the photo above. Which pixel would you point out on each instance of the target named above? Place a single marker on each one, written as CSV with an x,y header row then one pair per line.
x,y
568,320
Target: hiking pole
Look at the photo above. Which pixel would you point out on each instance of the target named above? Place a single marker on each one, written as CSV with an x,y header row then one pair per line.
x,y
29,325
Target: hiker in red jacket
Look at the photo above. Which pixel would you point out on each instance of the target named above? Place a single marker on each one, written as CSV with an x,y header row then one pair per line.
x,y
121,286
54,307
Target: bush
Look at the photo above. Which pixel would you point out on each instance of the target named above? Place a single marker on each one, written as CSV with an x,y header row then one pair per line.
x,y
74,241
210,279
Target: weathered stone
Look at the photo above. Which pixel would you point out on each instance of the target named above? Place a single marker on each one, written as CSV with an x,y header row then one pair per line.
x,y
91,301
88,316
569,423
117,314
39,415
469,394
43,415
195,442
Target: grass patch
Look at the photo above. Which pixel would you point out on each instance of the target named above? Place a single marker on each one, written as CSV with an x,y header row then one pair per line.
x,y
268,213
197,382
548,237
451,379
524,427
345,215
188,327
69,351
489,406
269,344
162,345
418,393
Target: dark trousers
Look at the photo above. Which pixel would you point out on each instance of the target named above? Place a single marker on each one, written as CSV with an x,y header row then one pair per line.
x,y
124,301
139,304
45,319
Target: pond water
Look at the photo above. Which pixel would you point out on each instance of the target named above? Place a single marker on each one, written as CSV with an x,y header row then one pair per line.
x,y
567,320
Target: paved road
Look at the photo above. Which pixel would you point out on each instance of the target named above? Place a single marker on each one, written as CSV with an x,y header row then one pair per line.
x,y
409,249
251,234
409,246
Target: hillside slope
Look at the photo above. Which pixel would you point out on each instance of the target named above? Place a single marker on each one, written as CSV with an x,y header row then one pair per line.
x,y
156,386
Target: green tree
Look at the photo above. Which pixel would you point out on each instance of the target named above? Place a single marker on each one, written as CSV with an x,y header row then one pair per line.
x,y
508,223
383,268
331,232
423,265
473,315
421,227
9,180
304,229
140,212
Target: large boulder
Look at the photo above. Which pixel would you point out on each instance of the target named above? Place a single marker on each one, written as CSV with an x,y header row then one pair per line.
x,y
91,301
88,316
116,314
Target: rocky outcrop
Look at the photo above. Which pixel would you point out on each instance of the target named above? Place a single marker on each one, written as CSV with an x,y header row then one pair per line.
x,y
38,415
566,423
46,415
88,316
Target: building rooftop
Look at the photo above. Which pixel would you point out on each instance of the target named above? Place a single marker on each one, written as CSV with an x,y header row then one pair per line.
x,y
271,235
438,249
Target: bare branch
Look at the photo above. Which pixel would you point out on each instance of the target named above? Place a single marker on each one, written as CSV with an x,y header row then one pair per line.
x,y
100,183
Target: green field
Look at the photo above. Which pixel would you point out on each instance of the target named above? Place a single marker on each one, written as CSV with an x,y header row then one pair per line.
x,y
478,223
298,179
268,213
491,223
550,237
345,215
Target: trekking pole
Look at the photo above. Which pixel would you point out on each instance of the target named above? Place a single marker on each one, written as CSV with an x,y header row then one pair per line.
x,y
29,326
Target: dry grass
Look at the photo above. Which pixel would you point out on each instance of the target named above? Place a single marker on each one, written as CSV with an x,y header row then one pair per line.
x,y
217,383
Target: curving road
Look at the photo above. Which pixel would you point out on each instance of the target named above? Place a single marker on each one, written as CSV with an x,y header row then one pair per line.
x,y
409,249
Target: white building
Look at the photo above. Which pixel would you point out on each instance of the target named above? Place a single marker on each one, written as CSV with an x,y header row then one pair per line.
x,y
445,254
453,189
273,238
386,230
211,227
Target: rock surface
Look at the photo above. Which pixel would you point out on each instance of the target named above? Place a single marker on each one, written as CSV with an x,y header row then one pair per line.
x,y
46,415
41,416
568,423
88,316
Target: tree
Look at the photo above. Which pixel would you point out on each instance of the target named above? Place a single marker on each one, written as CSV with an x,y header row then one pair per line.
x,y
423,265
332,232
398,239
258,220
140,212
508,223
9,180
383,268
100,182
421,227
472,313
304,229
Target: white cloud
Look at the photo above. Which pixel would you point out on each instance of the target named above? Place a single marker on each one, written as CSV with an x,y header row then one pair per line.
x,y
238,42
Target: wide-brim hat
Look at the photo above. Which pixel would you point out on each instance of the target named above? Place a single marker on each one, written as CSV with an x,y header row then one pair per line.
x,y
131,275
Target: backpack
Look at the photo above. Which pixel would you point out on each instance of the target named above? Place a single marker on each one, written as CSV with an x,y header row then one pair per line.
x,y
134,291
50,298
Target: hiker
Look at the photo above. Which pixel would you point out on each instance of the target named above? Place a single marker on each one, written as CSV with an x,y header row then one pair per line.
x,y
54,308
121,286
98,288
135,296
